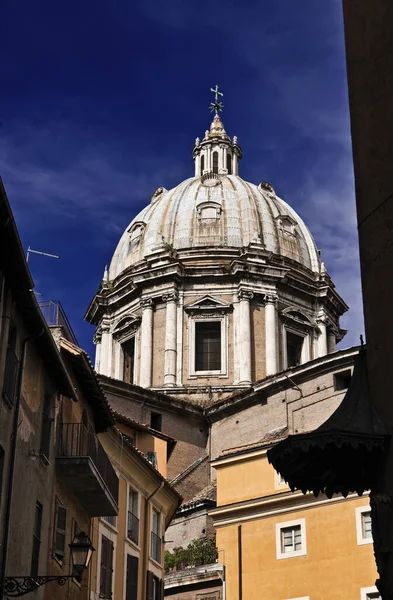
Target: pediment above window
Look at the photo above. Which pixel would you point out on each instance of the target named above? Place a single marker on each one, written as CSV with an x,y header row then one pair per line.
x,y
136,232
209,211
286,224
125,326
299,317
208,306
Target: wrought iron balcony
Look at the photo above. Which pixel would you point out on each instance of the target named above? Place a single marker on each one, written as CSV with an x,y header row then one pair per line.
x,y
87,470
133,527
156,547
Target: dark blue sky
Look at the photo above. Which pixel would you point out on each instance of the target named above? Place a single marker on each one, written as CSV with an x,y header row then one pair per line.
x,y
101,102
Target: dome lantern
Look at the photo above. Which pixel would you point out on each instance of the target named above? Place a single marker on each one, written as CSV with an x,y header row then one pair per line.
x,y
216,153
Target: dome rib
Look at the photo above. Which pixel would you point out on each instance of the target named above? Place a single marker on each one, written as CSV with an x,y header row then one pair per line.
x,y
245,213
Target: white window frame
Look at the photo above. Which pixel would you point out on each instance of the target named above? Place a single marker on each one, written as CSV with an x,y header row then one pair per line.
x,y
305,354
365,593
156,509
223,372
359,529
138,503
279,484
280,527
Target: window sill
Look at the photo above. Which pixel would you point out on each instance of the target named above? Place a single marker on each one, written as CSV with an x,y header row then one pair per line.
x,y
155,562
292,554
132,543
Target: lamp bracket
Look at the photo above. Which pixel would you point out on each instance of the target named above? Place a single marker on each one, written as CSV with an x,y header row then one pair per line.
x,y
19,586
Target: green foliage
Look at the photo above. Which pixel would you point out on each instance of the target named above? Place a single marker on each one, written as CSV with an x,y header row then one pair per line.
x,y
198,552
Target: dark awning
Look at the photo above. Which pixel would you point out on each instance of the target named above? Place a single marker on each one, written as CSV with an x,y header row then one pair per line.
x,y
342,455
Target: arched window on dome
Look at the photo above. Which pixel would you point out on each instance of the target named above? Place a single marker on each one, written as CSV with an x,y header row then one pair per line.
x,y
202,163
215,162
229,164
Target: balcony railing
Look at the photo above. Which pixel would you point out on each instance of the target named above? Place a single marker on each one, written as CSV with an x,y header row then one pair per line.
x,y
156,547
133,527
55,316
10,375
80,455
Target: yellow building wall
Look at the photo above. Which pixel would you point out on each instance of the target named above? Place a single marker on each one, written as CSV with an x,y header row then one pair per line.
x,y
335,566
252,478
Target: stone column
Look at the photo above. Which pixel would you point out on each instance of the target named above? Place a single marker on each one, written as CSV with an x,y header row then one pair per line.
x,y
106,350
244,337
322,338
208,165
145,371
170,339
198,165
234,163
97,342
331,341
235,321
271,335
179,341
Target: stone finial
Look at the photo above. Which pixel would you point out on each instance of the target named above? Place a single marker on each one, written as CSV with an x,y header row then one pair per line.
x,y
106,274
197,141
235,139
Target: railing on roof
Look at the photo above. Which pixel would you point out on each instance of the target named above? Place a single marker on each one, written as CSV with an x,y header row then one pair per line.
x,y
55,317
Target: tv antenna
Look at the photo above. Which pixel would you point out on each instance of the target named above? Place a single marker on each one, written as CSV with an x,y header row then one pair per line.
x,y
31,251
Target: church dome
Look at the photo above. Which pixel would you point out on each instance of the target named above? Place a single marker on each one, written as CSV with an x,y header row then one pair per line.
x,y
216,210
215,284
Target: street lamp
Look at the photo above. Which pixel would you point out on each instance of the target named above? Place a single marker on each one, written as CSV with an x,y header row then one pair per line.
x,y
81,553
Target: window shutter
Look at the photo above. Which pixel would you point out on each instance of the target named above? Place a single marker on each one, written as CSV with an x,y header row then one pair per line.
x,y
60,530
150,586
106,568
132,578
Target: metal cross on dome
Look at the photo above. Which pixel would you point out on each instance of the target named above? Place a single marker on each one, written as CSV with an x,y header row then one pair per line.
x,y
216,105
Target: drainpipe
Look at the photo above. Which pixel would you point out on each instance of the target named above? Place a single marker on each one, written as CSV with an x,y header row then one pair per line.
x,y
147,536
11,469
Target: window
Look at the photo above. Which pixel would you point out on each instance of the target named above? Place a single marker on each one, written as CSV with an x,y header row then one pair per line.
x,y
11,367
291,539
132,578
151,456
156,536
208,346
363,525
35,555
46,427
202,164
370,593
279,481
294,349
215,162
341,380
110,520
133,512
156,421
59,542
129,360
229,164
106,568
154,587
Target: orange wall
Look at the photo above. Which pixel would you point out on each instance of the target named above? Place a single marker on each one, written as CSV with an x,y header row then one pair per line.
x,y
334,567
